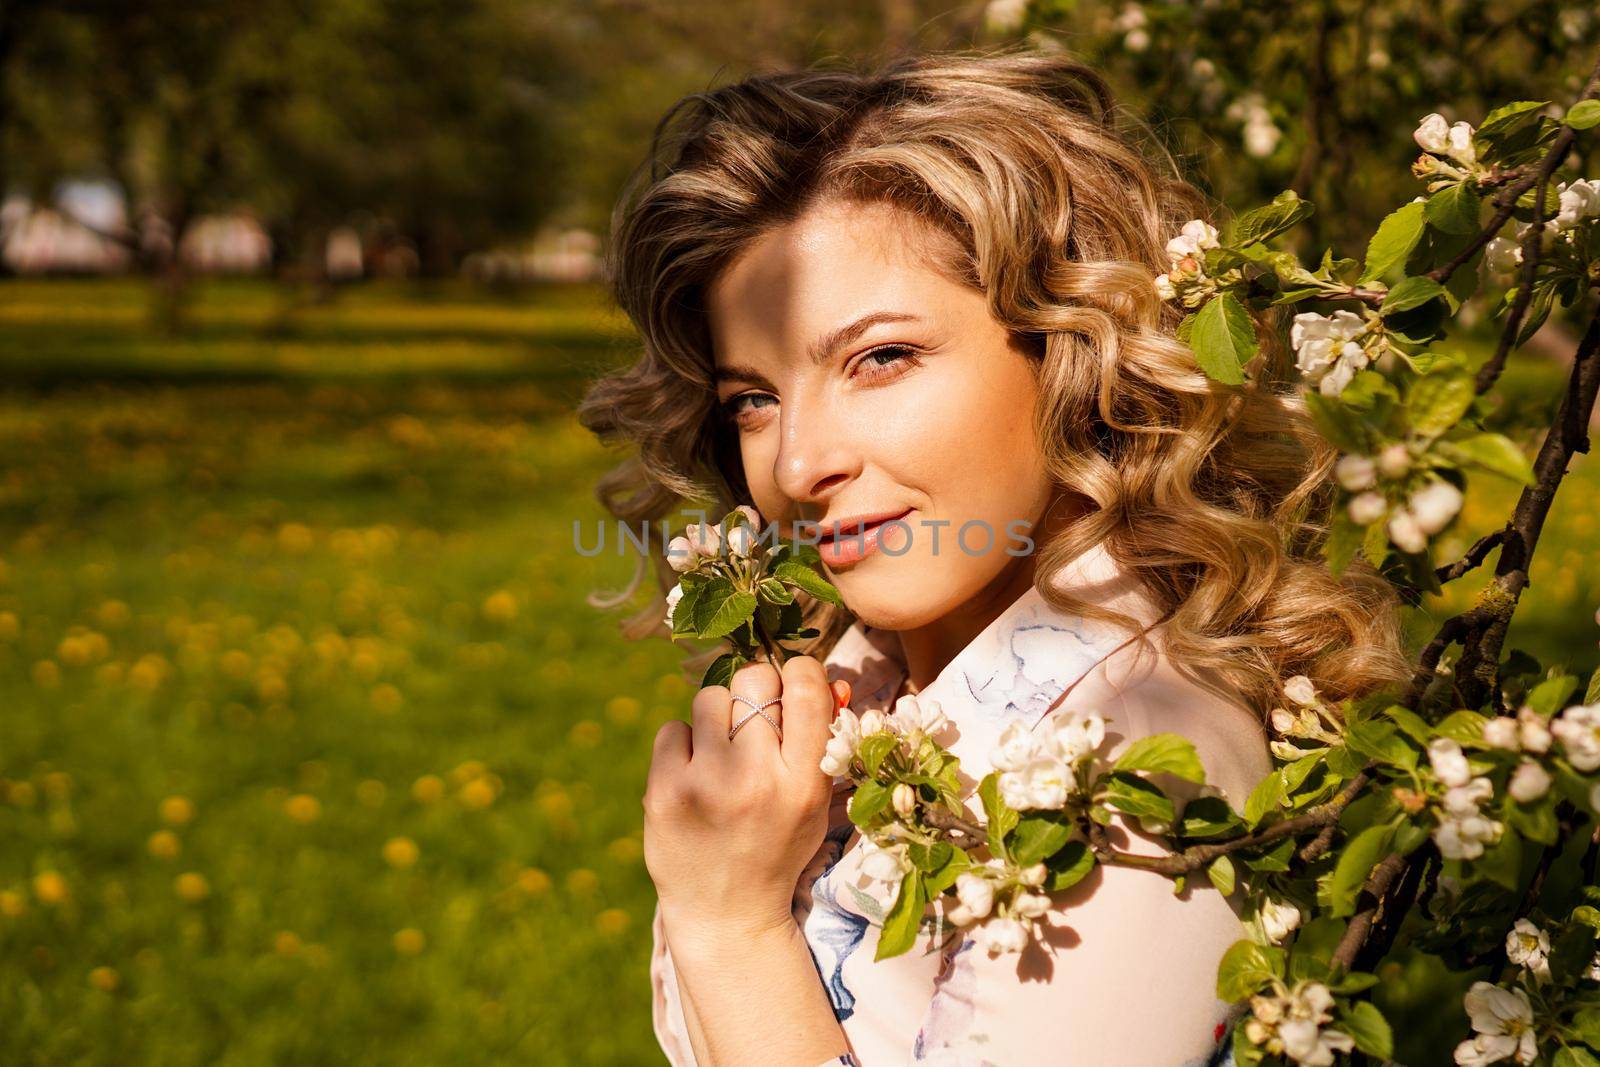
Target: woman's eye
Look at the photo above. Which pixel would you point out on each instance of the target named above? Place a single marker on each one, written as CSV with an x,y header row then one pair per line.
x,y
878,365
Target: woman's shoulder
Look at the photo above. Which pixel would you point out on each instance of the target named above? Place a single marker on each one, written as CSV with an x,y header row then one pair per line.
x,y
1140,690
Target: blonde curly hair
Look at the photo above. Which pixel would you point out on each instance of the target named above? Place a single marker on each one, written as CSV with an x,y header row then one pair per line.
x,y
1216,497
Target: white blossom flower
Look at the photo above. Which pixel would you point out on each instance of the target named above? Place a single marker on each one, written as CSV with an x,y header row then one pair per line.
x,y
1004,16
916,718
1326,351
1355,472
1279,919
740,541
1449,762
1031,905
1301,690
1042,782
1394,461
841,748
1503,1019
1367,508
1434,505
975,894
884,866
1164,288
1076,736
750,513
1464,838
1435,136
1502,732
1529,782
681,554
1535,731
1294,1025
1406,532
873,721
1502,255
1580,200
1307,1044
904,798
705,538
1528,946
1003,935
674,595
1463,800
1261,137
1014,748
1196,236
1283,720
1033,876
1578,730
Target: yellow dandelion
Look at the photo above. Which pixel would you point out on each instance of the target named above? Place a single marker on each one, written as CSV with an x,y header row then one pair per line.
x,y
302,808
235,663
611,922
366,666
624,849
468,770
113,614
22,794
9,626
582,881
477,794
46,675
57,785
271,687
192,886
386,699
50,888
286,943
148,672
500,606
585,733
163,844
555,804
623,710
533,881
295,537
73,651
177,811
410,941
105,979
12,903
427,789
400,852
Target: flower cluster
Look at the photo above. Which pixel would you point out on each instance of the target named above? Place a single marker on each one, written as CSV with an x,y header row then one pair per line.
x,y
1004,900
1577,203
1463,829
1329,349
703,541
1293,1023
911,720
1187,277
1427,509
1502,1021
1039,769
1312,719
1448,153
1277,920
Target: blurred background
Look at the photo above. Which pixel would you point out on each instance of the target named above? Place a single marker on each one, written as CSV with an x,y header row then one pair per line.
x,y
311,749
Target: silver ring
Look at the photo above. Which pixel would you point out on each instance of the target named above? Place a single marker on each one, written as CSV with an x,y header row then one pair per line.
x,y
757,711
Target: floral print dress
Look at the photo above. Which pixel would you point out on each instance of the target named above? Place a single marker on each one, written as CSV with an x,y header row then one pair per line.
x,y
946,1001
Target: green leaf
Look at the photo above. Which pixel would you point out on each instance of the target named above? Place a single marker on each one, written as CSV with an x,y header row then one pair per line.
x,y
1584,115
1069,866
1039,834
1163,753
1437,401
722,609
1207,817
1454,209
1223,339
1574,1056
1508,118
1336,422
1465,726
1410,723
774,592
1377,740
1587,1023
929,858
1135,796
1593,694
900,925
1410,293
1269,220
1342,543
873,749
1396,236
1221,874
1550,695
1245,968
870,800
1263,799
722,669
1002,819
1370,1030
1492,452
945,877
1363,853
683,615
803,577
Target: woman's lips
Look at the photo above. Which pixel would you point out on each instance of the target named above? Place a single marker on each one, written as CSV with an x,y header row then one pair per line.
x,y
856,545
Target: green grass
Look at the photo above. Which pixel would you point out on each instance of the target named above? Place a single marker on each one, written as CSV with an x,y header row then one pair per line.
x,y
314,575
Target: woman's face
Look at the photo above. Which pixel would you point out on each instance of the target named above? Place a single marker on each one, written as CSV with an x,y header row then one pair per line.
x,y
866,384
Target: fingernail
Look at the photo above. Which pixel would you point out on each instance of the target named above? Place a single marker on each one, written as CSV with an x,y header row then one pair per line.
x,y
844,697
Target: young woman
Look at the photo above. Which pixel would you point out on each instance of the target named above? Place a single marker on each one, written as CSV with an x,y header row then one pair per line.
x,y
918,303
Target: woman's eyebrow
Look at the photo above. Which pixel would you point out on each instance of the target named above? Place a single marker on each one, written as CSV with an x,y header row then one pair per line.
x,y
823,348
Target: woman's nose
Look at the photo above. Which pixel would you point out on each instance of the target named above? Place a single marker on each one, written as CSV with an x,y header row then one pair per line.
x,y
815,455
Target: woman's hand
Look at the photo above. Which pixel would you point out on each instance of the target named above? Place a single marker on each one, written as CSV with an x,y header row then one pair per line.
x,y
730,824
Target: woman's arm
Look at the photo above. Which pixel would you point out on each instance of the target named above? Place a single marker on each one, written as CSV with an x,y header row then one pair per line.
x,y
754,997
730,824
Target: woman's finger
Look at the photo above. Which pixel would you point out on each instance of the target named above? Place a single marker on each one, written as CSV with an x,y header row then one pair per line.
x,y
668,754
810,703
708,719
759,682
